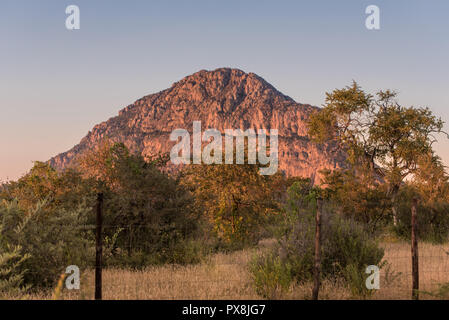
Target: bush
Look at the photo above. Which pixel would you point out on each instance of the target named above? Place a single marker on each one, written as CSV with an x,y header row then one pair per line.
x,y
344,242
50,241
347,243
183,252
347,249
149,207
11,265
433,220
355,279
11,275
272,278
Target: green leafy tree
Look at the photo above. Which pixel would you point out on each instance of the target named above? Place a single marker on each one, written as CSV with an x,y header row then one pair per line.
x,y
431,179
381,138
149,207
65,189
357,198
430,185
235,199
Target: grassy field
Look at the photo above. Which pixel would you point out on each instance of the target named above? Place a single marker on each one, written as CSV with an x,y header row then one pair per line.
x,y
226,276
433,270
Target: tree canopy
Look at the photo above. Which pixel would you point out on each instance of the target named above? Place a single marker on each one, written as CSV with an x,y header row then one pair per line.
x,y
382,138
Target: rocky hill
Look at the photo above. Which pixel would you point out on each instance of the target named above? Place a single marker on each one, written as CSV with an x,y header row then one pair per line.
x,y
221,99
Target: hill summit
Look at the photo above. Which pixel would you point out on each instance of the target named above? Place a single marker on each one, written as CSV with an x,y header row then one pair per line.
x,y
221,99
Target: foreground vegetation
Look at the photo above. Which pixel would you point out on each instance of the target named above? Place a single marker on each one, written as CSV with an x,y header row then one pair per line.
x,y
227,276
195,233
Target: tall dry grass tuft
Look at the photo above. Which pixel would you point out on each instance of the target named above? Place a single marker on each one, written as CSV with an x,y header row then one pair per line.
x,y
59,287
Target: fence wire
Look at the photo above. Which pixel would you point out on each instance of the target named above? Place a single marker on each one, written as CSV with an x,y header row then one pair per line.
x,y
227,276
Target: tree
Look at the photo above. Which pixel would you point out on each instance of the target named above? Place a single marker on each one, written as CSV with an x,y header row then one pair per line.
x,y
431,179
381,138
149,207
431,186
235,199
65,189
357,198
145,209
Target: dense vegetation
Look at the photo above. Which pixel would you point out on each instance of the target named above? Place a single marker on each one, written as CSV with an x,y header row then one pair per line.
x,y
154,217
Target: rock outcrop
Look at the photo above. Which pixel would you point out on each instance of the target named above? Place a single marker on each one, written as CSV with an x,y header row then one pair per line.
x,y
221,99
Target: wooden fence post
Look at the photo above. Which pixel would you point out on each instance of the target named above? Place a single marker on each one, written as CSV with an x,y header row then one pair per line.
x,y
317,265
98,248
415,265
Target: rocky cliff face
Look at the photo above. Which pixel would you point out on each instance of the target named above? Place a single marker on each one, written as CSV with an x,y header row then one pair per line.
x,y
220,99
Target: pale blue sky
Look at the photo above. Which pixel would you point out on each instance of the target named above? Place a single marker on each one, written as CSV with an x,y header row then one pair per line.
x,y
55,84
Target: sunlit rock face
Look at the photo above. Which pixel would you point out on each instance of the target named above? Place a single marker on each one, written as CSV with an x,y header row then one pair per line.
x,y
221,99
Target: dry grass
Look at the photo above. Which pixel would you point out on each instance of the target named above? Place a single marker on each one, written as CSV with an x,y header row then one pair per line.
x,y
221,276
225,276
433,270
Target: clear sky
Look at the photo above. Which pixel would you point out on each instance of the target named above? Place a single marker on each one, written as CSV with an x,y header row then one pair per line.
x,y
56,84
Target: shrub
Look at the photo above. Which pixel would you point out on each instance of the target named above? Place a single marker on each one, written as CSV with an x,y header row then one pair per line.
x,y
344,242
183,252
272,278
11,275
50,241
347,243
433,221
355,279
347,249
149,207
